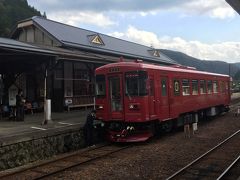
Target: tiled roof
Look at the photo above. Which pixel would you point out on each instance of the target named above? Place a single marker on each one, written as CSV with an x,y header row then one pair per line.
x,y
73,37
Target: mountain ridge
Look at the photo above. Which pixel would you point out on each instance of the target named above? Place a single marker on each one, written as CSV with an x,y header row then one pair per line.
x,y
214,66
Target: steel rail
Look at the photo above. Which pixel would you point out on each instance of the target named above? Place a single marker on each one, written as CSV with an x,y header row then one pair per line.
x,y
228,168
203,155
54,160
78,164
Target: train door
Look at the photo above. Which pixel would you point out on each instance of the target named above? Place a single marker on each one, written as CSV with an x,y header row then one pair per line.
x,y
116,97
164,96
152,100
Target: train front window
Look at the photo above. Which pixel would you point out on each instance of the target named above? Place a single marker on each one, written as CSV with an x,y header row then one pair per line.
x,y
100,86
136,83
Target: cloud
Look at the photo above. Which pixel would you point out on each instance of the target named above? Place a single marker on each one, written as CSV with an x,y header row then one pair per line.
x,y
226,51
76,18
100,13
212,8
105,5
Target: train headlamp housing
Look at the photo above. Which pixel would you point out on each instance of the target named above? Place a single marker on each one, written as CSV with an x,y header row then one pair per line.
x,y
99,107
134,106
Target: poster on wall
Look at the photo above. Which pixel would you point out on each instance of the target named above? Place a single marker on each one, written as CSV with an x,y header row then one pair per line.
x,y
12,92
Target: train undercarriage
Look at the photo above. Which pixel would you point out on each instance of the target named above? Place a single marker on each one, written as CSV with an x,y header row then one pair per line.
x,y
118,131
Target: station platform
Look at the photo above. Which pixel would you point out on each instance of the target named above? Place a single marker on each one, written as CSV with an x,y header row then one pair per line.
x,y
22,142
32,125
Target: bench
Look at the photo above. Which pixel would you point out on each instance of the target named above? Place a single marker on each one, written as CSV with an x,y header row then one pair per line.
x,y
70,106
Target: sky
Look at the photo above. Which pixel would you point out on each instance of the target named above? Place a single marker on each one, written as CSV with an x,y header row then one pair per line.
x,y
204,29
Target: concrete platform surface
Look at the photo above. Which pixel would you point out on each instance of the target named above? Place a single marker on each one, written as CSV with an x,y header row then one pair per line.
x,y
14,131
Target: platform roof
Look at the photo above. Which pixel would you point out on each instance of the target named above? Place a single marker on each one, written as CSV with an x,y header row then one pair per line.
x,y
78,38
11,44
235,5
16,57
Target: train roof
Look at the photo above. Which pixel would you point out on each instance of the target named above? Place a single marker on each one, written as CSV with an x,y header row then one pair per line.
x,y
174,68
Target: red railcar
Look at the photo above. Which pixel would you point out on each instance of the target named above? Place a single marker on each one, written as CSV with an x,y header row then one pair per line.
x,y
134,98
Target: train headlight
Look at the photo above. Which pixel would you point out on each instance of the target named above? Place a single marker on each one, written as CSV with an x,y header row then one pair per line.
x,y
102,124
99,107
133,106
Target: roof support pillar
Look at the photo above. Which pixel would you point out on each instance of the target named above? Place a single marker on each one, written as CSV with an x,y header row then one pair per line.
x,y
47,102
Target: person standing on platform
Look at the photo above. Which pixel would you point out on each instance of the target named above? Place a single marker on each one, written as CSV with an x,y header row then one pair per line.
x,y
88,128
20,101
187,125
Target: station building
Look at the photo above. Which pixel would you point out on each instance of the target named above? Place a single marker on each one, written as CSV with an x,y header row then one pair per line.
x,y
44,56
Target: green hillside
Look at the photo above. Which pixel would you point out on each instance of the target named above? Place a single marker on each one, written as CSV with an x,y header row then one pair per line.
x,y
12,11
203,65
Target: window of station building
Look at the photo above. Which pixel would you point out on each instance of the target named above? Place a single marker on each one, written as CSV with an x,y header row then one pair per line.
x,y
215,86
81,80
176,86
185,87
58,71
68,76
194,87
209,87
164,87
81,74
203,87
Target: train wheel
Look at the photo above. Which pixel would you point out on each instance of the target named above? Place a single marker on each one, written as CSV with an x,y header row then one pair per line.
x,y
168,126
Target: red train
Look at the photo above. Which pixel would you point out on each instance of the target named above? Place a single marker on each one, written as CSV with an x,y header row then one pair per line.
x,y
134,99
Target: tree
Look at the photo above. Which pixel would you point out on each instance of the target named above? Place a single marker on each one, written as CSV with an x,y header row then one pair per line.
x,y
12,11
237,75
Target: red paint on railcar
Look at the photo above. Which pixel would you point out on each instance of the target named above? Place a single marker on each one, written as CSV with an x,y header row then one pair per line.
x,y
132,97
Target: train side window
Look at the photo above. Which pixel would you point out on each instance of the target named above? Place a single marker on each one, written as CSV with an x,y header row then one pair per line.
x,y
185,87
176,85
209,87
215,86
151,82
221,89
222,86
203,87
164,87
194,87
226,87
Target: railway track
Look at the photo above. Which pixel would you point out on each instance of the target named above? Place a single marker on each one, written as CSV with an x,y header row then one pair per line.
x,y
232,172
220,162
56,166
